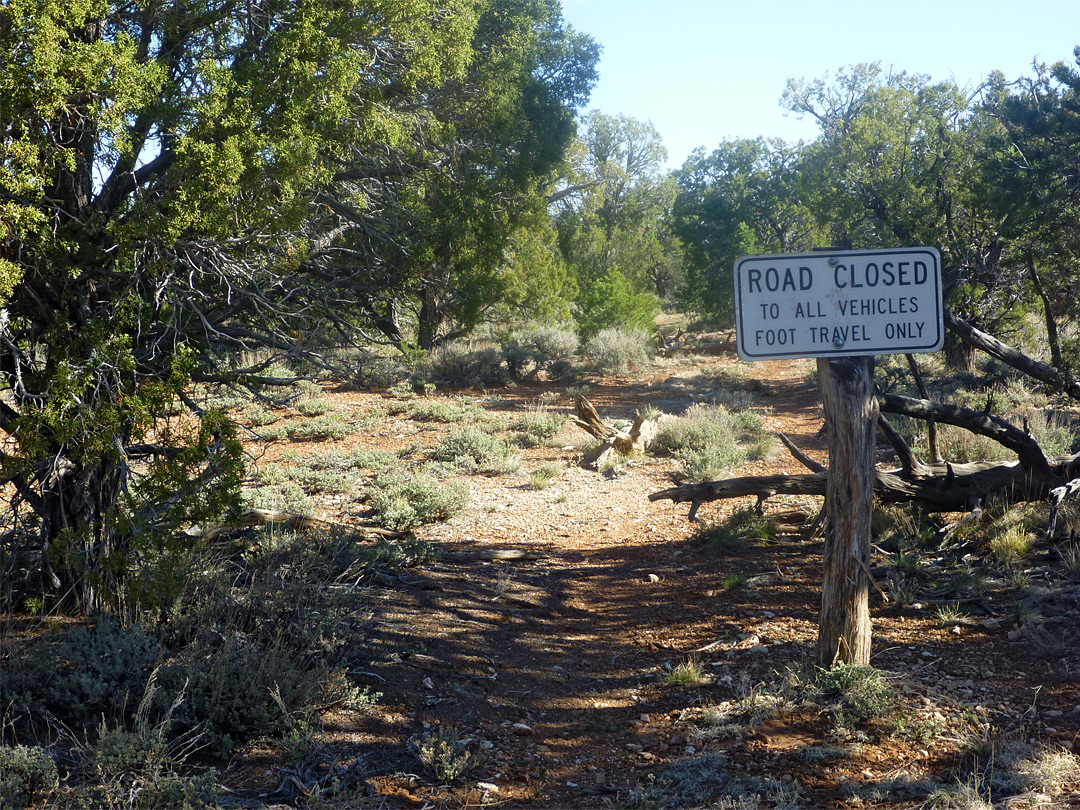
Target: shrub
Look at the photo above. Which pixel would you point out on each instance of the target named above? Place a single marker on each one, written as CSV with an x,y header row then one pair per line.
x,y
445,755
258,416
686,673
27,773
328,426
1010,545
704,438
532,349
543,475
551,342
538,426
236,686
104,669
314,406
471,448
401,501
744,526
465,363
1004,766
862,691
445,412
287,496
615,351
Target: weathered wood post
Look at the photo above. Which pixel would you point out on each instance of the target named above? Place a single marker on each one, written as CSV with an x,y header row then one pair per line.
x,y
851,411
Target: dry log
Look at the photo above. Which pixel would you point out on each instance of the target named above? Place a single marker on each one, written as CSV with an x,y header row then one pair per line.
x,y
1057,497
291,520
288,520
981,422
947,487
1012,357
637,439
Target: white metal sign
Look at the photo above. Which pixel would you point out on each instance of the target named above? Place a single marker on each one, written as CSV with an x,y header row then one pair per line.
x,y
838,304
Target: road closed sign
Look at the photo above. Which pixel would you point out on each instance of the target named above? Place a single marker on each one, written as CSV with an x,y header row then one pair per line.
x,y
838,304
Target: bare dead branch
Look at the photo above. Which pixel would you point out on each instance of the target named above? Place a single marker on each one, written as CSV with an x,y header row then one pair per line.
x,y
800,456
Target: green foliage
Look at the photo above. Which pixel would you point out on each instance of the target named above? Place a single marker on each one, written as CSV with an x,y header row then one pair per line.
x,y
445,755
472,448
446,412
465,363
319,428
745,197
537,426
532,349
543,475
612,229
186,224
618,351
314,406
102,670
861,691
686,673
27,774
705,438
610,301
401,500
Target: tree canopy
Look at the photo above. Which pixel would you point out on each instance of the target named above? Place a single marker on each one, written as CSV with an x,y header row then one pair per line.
x,y
193,192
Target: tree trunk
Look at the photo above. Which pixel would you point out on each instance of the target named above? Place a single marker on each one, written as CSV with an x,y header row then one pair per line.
x,y
85,546
959,355
430,319
1048,315
851,412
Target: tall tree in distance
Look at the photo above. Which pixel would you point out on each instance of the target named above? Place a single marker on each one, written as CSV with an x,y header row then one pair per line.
x,y
1030,162
897,164
611,215
744,197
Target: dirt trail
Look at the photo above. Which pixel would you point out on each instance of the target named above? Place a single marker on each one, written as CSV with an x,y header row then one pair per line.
x,y
562,665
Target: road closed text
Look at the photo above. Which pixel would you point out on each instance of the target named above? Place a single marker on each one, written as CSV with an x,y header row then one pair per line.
x,y
844,303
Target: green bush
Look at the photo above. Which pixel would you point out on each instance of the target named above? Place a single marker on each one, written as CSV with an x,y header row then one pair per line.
x,y
90,672
551,342
27,774
617,351
862,692
444,755
466,363
537,427
535,348
402,501
259,416
471,448
704,438
287,496
742,527
328,426
235,687
543,475
314,406
446,412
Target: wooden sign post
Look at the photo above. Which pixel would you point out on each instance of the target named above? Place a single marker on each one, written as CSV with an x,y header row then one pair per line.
x,y
851,413
843,308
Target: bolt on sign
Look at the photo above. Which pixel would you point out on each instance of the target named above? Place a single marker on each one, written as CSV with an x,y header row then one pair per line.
x,y
839,304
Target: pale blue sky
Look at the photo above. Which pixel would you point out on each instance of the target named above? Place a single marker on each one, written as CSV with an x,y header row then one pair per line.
x,y
704,70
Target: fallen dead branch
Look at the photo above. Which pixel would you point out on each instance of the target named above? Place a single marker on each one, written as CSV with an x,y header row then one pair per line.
x,y
636,439
296,522
288,520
